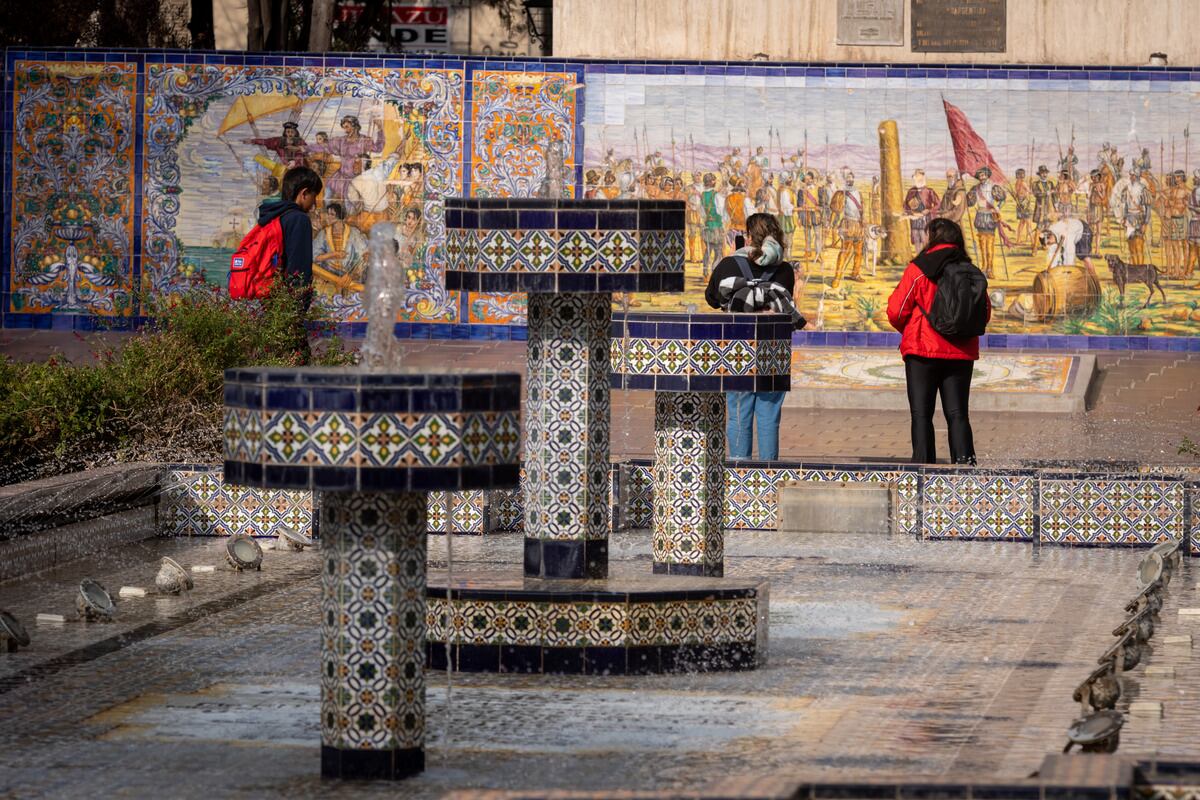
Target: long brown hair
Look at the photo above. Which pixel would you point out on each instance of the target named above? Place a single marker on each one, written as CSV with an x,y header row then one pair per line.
x,y
758,228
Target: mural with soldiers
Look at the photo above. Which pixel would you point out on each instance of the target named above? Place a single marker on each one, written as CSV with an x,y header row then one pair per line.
x,y
1049,201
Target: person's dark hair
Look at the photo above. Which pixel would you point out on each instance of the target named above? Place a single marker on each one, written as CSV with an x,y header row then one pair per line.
x,y
412,211
299,178
338,210
758,228
945,231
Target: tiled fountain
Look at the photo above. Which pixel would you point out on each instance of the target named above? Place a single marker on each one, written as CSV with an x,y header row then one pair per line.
x,y
565,612
372,442
690,360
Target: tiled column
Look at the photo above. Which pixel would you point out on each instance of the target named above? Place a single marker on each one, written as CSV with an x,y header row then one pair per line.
x,y
566,436
373,444
373,634
690,361
689,483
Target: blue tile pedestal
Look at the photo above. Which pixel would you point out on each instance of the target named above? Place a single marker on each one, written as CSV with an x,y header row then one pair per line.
x,y
570,256
690,360
374,444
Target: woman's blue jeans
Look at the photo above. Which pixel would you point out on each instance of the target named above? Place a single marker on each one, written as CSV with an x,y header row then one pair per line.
x,y
742,409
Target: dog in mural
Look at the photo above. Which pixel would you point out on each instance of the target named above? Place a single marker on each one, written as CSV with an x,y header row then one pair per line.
x,y
874,234
1124,274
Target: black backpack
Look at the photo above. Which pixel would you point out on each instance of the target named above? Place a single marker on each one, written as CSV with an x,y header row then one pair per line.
x,y
960,307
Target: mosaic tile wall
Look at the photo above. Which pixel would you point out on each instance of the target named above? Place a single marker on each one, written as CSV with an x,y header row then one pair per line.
x,y
142,169
1053,507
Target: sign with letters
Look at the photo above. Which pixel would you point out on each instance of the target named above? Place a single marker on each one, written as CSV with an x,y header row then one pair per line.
x,y
870,22
959,26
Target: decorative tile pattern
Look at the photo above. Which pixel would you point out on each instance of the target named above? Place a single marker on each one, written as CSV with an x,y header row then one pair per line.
x,y
640,626
567,422
197,502
340,430
702,352
71,228
548,246
458,512
973,504
373,615
689,483
1111,509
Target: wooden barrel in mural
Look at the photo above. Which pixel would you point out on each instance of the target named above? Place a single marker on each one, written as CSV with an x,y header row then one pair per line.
x,y
1065,291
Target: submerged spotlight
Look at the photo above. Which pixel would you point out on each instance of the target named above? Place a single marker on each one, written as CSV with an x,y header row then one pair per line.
x,y
289,539
171,577
1100,691
1150,570
94,602
242,552
12,633
1099,732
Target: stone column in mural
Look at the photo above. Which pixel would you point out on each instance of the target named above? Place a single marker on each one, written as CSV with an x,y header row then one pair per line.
x,y
570,256
897,245
691,360
373,443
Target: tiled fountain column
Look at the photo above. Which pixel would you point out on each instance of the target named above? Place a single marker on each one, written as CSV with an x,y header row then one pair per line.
x,y
374,444
570,256
690,360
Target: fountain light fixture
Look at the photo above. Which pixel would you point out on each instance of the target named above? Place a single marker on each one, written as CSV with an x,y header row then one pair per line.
x,y
1150,597
1124,654
94,602
12,632
1098,732
242,552
1141,623
1150,570
1100,690
289,539
171,577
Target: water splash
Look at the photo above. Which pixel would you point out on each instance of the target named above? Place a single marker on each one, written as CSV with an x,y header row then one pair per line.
x,y
384,295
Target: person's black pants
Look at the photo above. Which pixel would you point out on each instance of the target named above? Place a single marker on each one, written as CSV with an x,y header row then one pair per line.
x,y
952,377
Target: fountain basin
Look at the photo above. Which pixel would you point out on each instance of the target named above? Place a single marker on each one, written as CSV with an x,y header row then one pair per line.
x,y
504,622
564,246
342,430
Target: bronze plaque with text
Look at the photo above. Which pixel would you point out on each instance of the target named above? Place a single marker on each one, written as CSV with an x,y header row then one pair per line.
x,y
959,26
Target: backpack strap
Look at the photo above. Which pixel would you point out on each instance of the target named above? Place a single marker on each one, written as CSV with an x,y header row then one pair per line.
x,y
744,265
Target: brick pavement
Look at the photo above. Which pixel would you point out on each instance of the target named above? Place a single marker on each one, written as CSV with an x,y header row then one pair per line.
x,y
888,657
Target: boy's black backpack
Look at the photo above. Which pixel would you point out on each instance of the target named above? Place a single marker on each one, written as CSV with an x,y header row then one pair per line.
x,y
960,307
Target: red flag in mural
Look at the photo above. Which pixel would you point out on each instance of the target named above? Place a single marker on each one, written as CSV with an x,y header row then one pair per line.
x,y
970,151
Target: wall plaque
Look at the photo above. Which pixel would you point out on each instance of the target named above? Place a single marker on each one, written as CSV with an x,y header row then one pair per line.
x,y
870,22
959,26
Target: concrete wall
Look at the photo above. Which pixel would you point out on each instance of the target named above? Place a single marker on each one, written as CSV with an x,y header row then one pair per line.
x,y
1110,32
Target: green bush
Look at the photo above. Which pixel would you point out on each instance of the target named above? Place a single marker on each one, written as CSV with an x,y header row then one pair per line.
x,y
159,396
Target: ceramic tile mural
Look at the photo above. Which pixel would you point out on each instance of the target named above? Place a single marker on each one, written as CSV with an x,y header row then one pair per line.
x,y
71,241
386,142
136,170
522,122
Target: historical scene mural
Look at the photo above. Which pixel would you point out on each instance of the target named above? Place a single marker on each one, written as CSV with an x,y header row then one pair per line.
x,y
1078,196
1078,190
387,144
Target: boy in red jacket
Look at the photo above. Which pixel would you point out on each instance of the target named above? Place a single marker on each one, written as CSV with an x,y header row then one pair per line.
x,y
933,363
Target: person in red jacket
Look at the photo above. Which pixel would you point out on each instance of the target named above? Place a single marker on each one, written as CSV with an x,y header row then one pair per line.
x,y
933,363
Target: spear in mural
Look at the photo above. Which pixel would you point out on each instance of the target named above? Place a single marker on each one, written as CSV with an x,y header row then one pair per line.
x,y
673,149
692,147
806,149
1186,135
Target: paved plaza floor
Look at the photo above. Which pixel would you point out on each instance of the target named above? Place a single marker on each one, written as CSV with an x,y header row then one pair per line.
x,y
888,657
